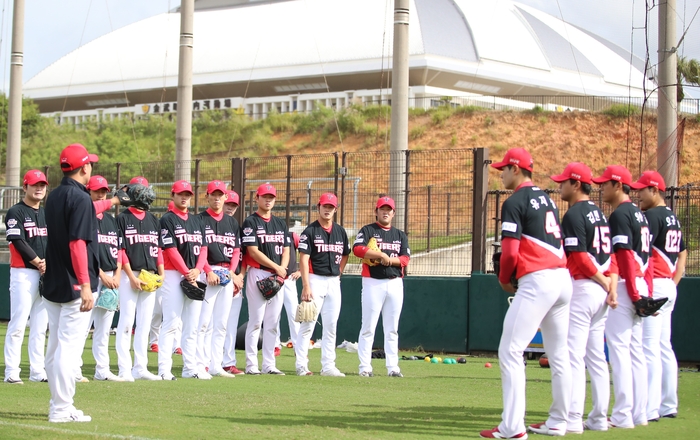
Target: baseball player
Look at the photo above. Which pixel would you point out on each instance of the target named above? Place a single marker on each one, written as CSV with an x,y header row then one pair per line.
x,y
324,249
532,250
289,292
185,255
266,253
588,247
229,359
221,233
668,254
631,238
109,274
26,232
382,286
71,277
139,236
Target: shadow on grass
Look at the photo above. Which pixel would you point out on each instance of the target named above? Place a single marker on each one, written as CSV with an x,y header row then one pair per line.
x,y
428,420
23,416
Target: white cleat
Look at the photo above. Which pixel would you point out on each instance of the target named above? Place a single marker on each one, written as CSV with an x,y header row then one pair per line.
x,y
111,377
77,416
146,375
333,372
223,373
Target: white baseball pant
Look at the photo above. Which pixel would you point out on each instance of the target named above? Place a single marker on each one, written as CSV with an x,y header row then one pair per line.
x,y
291,301
212,326
102,320
326,292
587,352
623,330
265,313
63,353
542,301
229,358
661,360
385,297
134,305
25,301
176,307
157,323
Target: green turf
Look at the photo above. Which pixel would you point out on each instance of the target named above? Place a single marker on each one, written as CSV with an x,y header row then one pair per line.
x,y
436,401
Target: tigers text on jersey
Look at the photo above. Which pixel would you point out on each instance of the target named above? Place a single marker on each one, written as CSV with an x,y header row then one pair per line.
x,y
392,242
586,229
140,239
269,236
630,230
530,216
107,242
221,237
325,249
667,240
185,235
25,223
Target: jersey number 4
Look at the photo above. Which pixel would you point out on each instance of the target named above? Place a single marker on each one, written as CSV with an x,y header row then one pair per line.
x,y
601,239
551,225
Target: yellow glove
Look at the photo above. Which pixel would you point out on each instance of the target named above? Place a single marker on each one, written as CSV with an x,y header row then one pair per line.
x,y
372,246
153,281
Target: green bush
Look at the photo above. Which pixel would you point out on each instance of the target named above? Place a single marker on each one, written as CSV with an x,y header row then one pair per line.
x,y
621,110
416,132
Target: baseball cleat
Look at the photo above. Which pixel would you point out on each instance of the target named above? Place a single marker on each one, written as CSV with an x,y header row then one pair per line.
x,y
146,375
41,379
202,376
127,377
395,374
82,379
542,428
178,351
168,376
233,370
253,372
154,348
366,374
222,373
332,372
670,416
274,371
14,380
587,427
302,371
494,433
611,425
277,351
111,377
77,416
653,420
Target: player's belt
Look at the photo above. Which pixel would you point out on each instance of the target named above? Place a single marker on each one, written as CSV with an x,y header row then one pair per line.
x,y
580,277
223,263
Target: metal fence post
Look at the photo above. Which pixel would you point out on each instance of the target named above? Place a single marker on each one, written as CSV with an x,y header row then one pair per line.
x,y
449,205
335,184
119,182
288,205
408,190
238,184
196,185
343,173
427,245
480,163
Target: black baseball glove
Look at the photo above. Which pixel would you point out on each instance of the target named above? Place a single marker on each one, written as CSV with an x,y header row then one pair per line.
x,y
137,195
270,286
195,293
496,260
646,306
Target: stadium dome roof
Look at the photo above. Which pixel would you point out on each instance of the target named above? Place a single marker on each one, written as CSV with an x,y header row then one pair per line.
x,y
290,46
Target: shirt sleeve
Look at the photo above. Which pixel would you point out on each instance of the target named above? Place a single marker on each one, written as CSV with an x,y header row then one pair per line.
x,y
511,219
346,244
14,226
249,235
305,241
359,247
574,229
621,232
167,234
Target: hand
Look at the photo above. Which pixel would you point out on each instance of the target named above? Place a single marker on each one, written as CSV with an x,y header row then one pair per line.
x,y
611,300
306,294
86,298
136,283
607,283
507,287
281,271
41,265
237,281
110,282
295,276
213,279
385,259
192,276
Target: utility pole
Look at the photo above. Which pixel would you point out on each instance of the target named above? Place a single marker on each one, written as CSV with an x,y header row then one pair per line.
x,y
399,111
667,146
183,134
14,119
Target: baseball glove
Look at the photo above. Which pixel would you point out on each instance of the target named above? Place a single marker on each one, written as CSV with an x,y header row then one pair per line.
x,y
153,281
496,260
646,306
371,246
137,195
108,299
224,276
306,312
195,293
269,286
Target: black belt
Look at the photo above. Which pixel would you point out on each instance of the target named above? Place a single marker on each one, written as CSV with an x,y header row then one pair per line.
x,y
223,263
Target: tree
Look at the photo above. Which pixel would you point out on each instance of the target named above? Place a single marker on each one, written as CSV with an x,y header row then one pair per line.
x,y
688,72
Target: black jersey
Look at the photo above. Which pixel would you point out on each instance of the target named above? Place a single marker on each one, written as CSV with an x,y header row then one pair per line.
x,y
586,229
185,235
293,264
392,242
667,240
325,249
221,237
108,241
530,216
140,239
24,223
630,230
269,237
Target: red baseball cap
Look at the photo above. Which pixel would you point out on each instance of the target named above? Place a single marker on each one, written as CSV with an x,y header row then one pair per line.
x,y
650,178
97,182
266,189
515,156
181,186
575,170
388,201
617,173
75,156
232,197
139,179
32,177
216,185
328,199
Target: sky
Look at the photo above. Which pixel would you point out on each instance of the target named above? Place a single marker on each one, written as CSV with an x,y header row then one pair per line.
x,y
55,28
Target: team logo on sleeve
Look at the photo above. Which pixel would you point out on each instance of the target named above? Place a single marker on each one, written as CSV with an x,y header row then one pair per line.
x,y
247,231
11,223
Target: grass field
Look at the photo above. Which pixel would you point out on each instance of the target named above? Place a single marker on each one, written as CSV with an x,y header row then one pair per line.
x,y
432,401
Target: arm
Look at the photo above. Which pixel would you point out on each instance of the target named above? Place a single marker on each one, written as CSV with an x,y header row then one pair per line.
x,y
625,263
262,259
584,263
306,294
28,254
680,266
78,253
343,263
510,248
175,258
